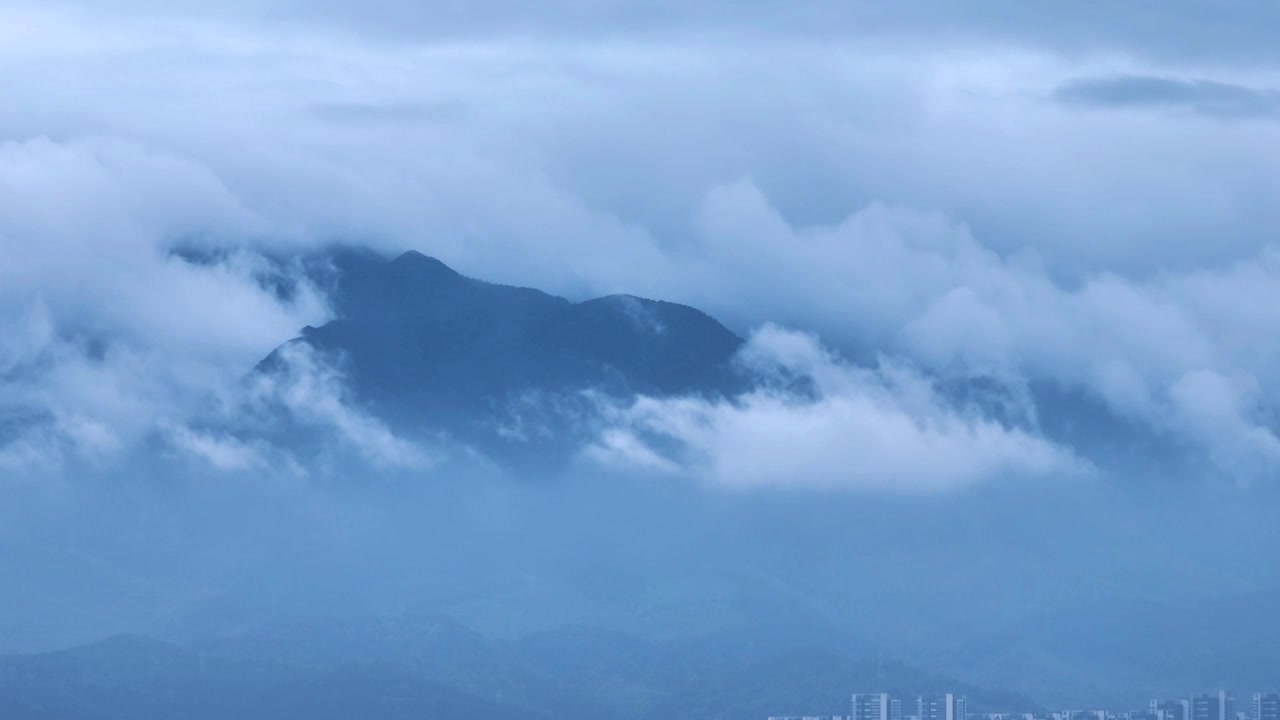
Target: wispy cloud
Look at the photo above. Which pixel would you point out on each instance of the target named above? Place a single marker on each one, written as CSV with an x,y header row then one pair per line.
x,y
1204,97
314,393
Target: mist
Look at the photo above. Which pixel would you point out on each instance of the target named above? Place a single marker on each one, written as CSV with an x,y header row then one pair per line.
x,y
332,571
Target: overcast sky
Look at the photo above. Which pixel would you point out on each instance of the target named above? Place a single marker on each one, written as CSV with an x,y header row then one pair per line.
x,y
1069,191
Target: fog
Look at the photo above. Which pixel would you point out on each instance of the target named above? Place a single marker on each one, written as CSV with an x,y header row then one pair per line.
x,y
975,584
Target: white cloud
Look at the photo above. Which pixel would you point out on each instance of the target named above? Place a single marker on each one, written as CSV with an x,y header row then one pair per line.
x,y
1224,412
928,202
920,286
222,451
886,430
314,393
112,334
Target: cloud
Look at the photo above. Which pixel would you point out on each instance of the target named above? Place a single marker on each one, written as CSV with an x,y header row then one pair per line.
x,y
916,285
222,451
312,391
641,316
452,144
914,199
295,419
1238,30
385,113
886,429
1226,411
114,334
29,452
1205,97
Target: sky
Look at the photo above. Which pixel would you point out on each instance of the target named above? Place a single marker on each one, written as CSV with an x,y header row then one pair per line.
x,y
883,197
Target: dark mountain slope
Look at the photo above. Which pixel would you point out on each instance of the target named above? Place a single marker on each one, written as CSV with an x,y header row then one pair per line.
x,y
504,367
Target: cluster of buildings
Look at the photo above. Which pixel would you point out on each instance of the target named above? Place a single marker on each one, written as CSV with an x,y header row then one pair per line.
x,y
883,706
947,706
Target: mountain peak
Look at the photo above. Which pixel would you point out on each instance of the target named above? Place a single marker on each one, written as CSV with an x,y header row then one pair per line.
x,y
420,264
430,349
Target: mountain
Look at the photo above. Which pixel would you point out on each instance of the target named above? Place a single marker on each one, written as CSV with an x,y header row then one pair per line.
x,y
422,668
504,368
1107,652
128,677
520,374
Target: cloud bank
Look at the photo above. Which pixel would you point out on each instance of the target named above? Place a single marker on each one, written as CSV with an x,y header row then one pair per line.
x,y
886,429
933,196
1176,352
115,335
1236,31
1207,97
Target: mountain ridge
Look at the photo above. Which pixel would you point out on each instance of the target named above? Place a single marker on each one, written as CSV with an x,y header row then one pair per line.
x,y
431,350
411,667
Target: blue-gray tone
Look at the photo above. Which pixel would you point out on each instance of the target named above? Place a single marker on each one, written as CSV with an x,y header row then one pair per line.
x,y
632,360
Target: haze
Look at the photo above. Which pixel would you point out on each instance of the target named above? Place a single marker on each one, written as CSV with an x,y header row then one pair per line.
x,y
623,360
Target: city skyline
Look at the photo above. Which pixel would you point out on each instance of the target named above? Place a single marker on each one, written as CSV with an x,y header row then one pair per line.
x,y
1220,705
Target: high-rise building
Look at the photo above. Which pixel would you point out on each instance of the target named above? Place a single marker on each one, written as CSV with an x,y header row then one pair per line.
x,y
1172,709
878,706
1221,706
1266,706
942,707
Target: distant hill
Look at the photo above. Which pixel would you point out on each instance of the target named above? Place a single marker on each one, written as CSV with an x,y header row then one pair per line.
x,y
423,668
129,677
504,367
1105,650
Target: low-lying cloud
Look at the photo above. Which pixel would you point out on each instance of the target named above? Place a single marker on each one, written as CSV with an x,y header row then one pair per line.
x,y
920,286
313,392
850,428
112,333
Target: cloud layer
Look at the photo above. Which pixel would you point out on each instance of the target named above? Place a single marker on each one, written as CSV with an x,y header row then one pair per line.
x,y
886,429
946,193
1177,352
1238,30
1207,97
113,333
